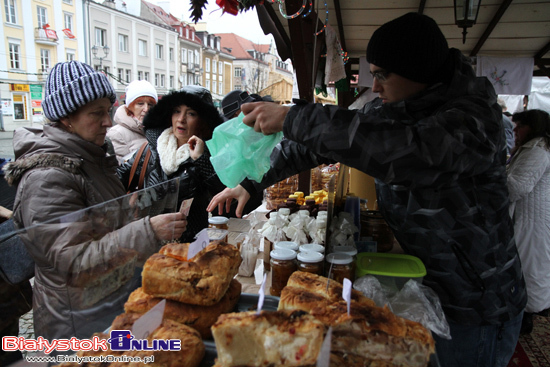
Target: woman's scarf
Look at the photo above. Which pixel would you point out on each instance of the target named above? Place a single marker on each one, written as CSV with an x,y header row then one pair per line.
x,y
170,155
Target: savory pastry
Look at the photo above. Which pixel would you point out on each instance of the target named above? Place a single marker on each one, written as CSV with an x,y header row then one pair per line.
x,y
201,280
276,338
192,347
368,332
200,318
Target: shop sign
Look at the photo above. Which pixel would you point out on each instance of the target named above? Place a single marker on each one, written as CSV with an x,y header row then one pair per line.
x,y
19,88
36,92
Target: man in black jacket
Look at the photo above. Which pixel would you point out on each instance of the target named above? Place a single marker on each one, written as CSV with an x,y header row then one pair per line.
x,y
434,142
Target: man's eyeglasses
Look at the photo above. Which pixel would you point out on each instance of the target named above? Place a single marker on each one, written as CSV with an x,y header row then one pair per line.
x,y
380,75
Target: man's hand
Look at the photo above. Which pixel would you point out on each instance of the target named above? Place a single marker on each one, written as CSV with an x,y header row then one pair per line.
x,y
226,196
168,227
264,117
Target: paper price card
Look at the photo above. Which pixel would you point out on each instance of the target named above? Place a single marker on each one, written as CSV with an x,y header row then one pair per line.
x,y
323,359
185,206
149,322
195,247
262,296
346,292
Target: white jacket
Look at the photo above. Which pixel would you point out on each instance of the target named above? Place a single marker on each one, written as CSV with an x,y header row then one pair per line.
x,y
127,136
529,187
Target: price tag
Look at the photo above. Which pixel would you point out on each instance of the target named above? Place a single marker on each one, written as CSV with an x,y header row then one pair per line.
x,y
262,296
346,292
185,206
149,322
195,247
323,359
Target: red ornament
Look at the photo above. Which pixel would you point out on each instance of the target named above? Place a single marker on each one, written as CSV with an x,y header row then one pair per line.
x,y
229,6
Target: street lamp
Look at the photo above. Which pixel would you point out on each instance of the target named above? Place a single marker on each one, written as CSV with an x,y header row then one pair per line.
x,y
95,50
466,14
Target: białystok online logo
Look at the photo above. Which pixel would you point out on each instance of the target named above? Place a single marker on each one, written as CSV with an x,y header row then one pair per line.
x,y
120,340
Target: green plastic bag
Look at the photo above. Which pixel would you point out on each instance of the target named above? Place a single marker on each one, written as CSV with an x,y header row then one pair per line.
x,y
237,151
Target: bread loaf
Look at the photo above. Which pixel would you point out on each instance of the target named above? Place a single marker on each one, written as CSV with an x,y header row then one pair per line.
x,y
200,318
202,280
368,332
276,338
192,347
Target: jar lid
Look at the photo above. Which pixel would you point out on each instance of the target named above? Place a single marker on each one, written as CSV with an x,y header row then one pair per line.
x,y
310,257
218,220
322,213
308,247
303,212
299,194
284,211
350,250
310,197
286,245
292,196
283,254
339,258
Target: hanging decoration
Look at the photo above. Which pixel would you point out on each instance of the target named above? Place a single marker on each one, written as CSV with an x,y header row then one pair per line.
x,y
229,6
326,20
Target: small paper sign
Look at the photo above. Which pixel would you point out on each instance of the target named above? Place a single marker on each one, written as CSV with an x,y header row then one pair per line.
x,y
323,359
262,296
185,206
346,292
195,247
149,322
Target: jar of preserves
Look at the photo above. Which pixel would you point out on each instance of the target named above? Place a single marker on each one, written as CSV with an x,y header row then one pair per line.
x,y
286,245
311,262
309,247
283,264
219,223
340,266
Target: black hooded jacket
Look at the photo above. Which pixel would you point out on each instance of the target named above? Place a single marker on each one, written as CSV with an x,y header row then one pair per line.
x,y
198,180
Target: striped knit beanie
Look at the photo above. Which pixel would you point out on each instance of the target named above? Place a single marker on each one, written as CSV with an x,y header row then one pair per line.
x,y
71,85
412,46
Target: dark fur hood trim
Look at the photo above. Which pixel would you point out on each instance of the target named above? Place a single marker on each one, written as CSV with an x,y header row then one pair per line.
x,y
13,171
160,116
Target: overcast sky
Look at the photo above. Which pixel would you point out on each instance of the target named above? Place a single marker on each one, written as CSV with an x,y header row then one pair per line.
x,y
244,24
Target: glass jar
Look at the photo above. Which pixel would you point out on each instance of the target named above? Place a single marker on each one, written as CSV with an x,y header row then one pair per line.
x,y
283,264
311,262
348,250
219,223
309,247
340,266
286,245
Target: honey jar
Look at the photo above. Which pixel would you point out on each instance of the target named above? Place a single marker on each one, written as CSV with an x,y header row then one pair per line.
x,y
283,264
219,223
311,262
340,266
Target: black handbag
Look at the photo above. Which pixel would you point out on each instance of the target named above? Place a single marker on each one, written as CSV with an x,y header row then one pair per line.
x,y
16,264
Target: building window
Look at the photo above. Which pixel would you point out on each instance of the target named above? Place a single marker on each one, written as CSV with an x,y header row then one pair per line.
x,y
184,56
68,21
191,57
238,87
171,82
171,54
120,74
15,55
220,88
220,68
237,72
70,55
197,57
142,48
162,77
208,84
214,66
191,79
160,51
10,8
128,75
45,59
214,87
70,2
42,14
146,76
140,75
207,62
156,80
123,43
20,107
106,70
100,37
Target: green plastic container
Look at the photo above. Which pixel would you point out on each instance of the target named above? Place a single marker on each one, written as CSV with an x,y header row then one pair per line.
x,y
392,270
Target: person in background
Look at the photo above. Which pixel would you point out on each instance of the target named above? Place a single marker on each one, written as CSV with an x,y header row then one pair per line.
x,y
232,102
127,135
434,141
61,169
508,127
176,129
529,187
